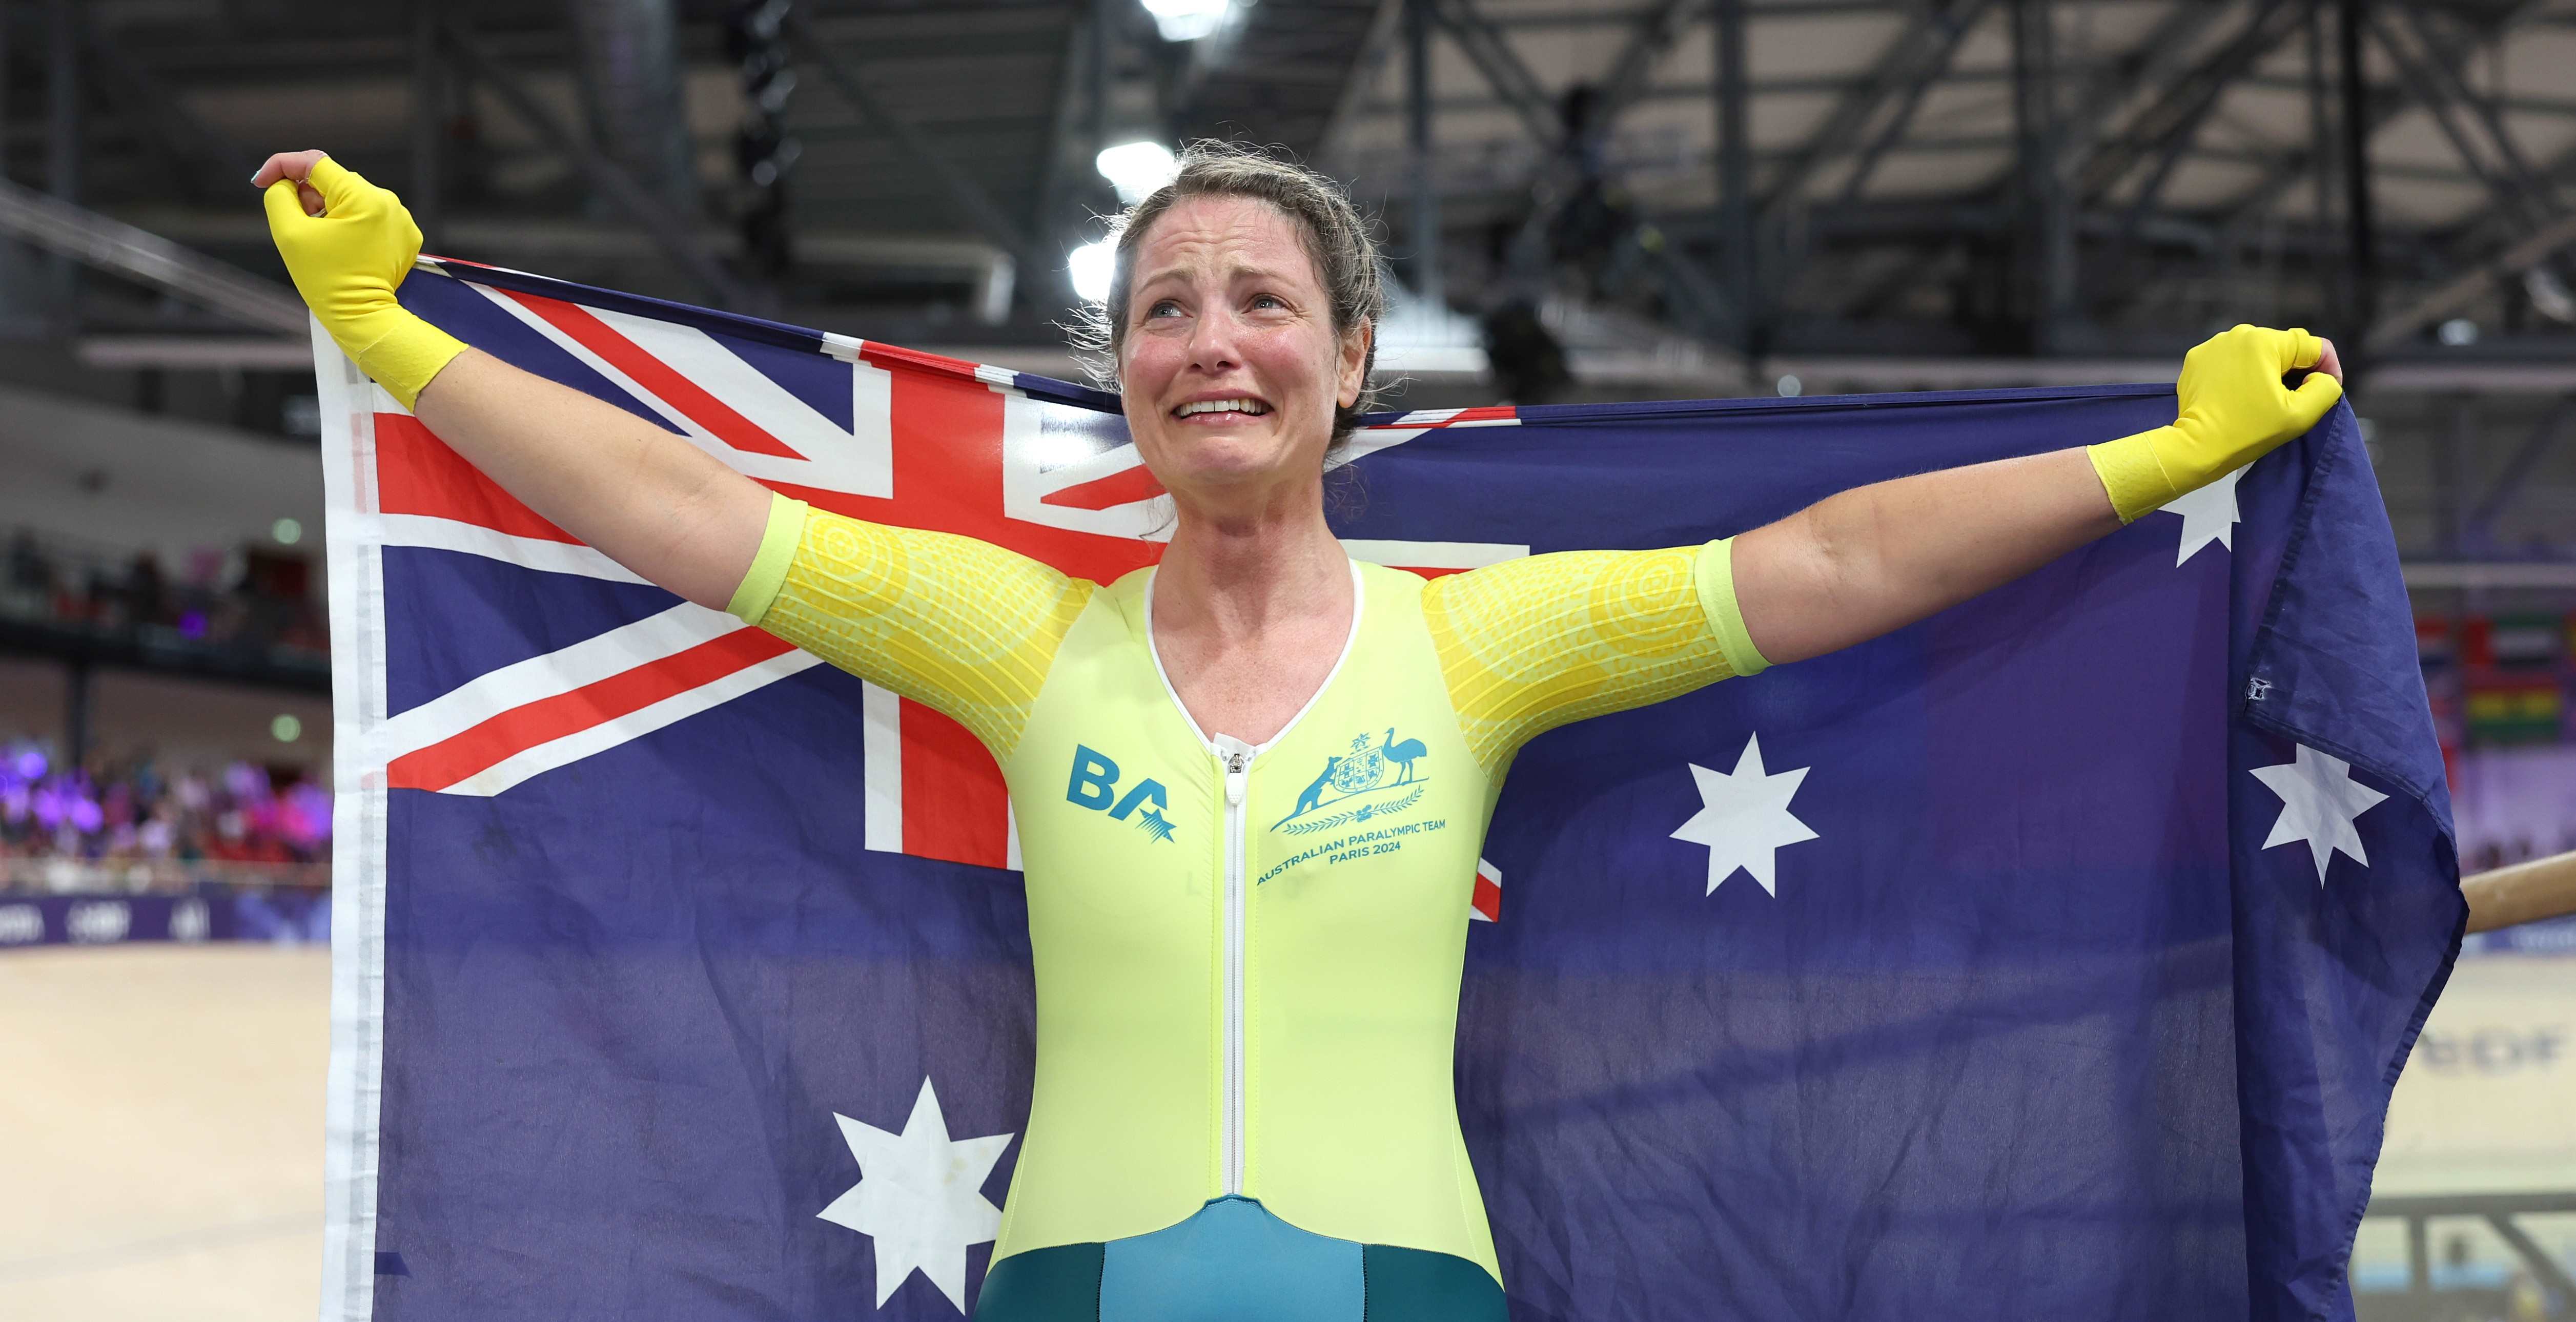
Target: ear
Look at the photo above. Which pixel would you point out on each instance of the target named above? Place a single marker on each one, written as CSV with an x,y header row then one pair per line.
x,y
1355,354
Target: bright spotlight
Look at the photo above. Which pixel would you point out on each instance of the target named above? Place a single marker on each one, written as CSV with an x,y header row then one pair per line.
x,y
1092,264
1187,20
1136,168
286,532
2458,332
1790,387
286,729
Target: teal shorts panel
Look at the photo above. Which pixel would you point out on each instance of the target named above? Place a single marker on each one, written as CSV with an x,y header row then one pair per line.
x,y
1233,1261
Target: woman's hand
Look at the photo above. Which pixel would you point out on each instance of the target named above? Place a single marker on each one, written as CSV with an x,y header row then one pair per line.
x,y
2234,408
348,245
293,165
2327,362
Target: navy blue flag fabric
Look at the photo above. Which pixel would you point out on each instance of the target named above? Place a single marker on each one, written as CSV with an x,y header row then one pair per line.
x,y
2050,958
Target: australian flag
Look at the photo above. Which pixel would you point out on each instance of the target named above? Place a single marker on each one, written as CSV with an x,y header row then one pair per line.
x,y
2050,958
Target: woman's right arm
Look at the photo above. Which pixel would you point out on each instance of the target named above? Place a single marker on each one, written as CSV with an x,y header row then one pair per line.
x,y
649,500
962,625
639,495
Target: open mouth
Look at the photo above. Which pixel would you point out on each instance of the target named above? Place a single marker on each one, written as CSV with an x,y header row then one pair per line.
x,y
1244,406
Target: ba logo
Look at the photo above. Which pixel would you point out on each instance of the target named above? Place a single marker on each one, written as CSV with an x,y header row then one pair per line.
x,y
1094,785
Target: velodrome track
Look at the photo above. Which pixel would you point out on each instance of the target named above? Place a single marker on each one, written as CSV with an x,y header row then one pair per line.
x,y
161,1133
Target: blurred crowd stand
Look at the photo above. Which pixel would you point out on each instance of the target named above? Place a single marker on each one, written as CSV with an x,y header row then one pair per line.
x,y
133,824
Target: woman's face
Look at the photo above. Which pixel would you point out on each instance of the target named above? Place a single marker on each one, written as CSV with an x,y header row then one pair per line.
x,y
1230,371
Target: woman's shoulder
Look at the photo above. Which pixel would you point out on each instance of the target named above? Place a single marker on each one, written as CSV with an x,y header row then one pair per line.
x,y
1128,585
1123,597
1396,583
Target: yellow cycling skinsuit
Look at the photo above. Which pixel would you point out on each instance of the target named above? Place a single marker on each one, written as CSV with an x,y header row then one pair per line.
x,y
1247,958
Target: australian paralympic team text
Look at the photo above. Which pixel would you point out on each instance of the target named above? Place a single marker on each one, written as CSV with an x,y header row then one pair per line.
x,y
1385,840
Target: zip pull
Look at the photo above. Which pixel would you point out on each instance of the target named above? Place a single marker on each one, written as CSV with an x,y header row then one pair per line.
x,y
1234,778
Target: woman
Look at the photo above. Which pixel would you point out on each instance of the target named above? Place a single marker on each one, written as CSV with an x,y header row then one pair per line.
x,y
1251,782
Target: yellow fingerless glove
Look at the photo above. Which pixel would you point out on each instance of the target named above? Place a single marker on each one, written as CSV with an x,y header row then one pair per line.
x,y
347,262
2234,409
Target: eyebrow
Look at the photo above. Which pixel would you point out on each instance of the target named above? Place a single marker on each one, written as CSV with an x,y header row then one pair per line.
x,y
1237,273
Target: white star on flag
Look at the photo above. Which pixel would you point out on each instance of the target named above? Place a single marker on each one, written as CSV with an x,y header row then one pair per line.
x,y
2319,800
1744,817
920,1197
2208,515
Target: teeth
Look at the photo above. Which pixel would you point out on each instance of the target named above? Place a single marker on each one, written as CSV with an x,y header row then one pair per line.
x,y
1224,406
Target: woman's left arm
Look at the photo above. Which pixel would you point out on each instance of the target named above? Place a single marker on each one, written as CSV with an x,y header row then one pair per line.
x,y
1877,558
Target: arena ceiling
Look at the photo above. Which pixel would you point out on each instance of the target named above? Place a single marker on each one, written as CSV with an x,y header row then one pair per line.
x,y
1928,192
1889,147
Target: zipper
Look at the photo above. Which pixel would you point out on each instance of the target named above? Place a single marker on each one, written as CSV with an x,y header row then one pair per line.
x,y
1235,776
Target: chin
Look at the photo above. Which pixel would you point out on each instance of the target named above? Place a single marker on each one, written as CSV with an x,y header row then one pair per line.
x,y
1216,472
1220,449
1220,467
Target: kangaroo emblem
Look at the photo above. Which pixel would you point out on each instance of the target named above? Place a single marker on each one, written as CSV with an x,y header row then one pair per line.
x,y
1401,754
1308,797
1353,787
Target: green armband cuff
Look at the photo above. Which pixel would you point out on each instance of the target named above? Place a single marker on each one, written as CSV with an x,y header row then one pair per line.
x,y
1713,572
768,571
2132,475
407,356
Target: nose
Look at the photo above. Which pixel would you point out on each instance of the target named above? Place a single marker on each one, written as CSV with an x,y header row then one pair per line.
x,y
1213,349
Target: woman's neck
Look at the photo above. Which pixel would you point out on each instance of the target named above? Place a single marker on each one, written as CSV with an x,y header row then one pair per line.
x,y
1241,575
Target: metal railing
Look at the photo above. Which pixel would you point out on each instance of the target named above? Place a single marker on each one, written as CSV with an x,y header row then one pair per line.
x,y
2526,892
2499,1211
113,245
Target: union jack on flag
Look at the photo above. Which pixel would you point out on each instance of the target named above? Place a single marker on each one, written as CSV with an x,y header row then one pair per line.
x,y
872,431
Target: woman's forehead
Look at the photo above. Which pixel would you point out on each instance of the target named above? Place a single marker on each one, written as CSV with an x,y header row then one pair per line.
x,y
1223,233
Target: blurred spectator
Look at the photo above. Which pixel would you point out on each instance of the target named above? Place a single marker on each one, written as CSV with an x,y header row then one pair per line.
x,y
137,823
252,600
145,596
27,571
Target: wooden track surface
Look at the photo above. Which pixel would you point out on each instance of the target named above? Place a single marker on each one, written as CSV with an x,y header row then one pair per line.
x,y
161,1133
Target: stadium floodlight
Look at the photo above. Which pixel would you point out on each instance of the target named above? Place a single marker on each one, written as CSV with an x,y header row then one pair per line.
x,y
1187,20
1136,168
1092,264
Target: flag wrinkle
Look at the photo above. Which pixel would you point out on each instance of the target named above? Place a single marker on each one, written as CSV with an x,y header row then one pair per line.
x,y
2319,590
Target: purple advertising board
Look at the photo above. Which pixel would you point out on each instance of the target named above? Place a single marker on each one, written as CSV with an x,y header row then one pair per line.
x,y
210,913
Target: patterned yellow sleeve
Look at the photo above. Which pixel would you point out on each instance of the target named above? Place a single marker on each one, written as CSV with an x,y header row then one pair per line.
x,y
1531,644
959,624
